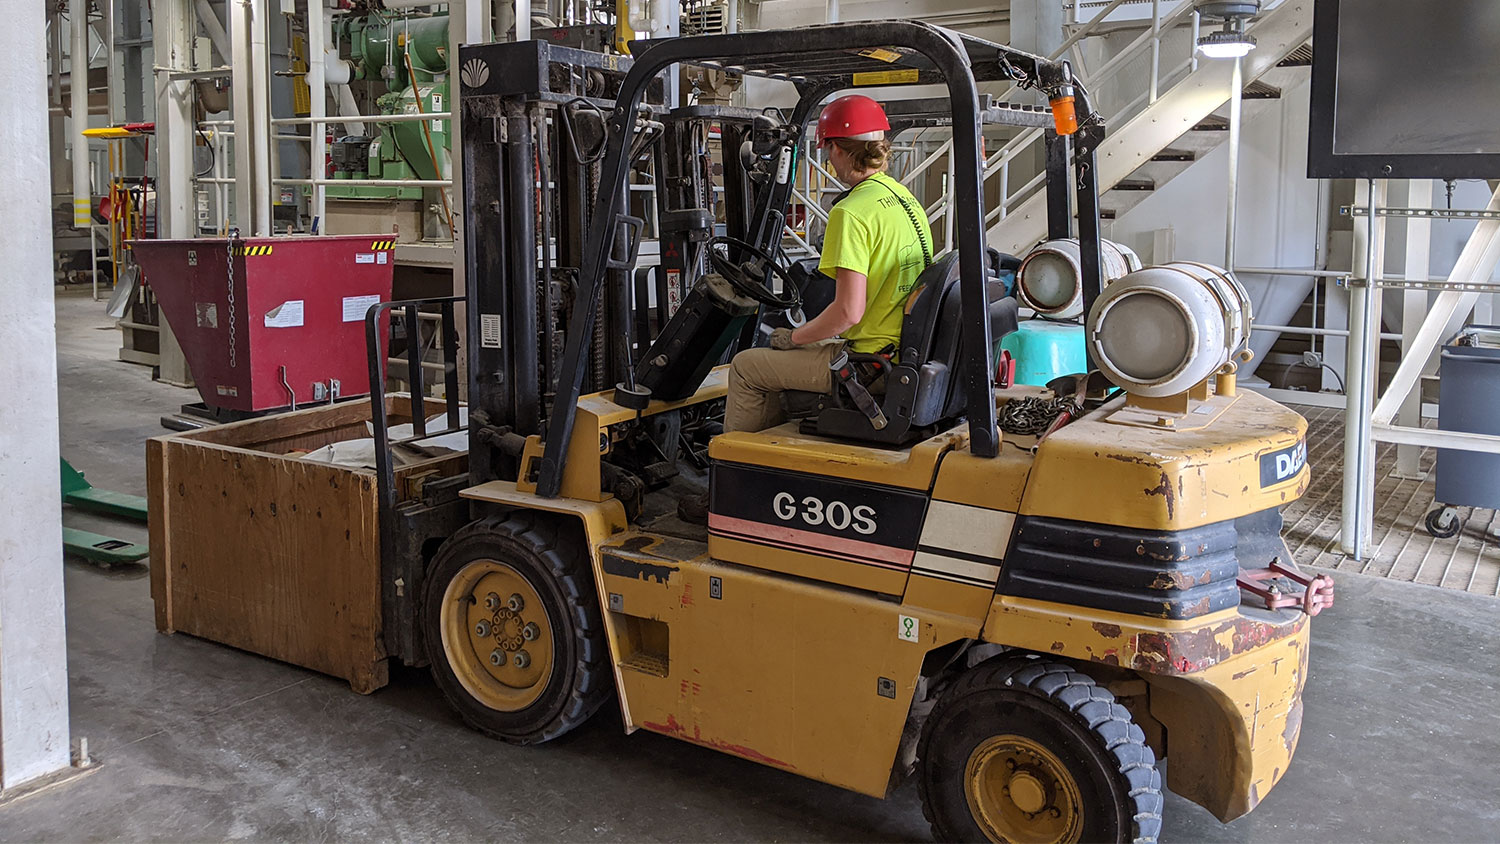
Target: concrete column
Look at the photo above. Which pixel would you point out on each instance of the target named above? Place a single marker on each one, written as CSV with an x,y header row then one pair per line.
x,y
33,649
1036,26
172,31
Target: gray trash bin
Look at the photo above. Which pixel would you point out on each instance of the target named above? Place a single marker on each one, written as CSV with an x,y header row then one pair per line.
x,y
1469,402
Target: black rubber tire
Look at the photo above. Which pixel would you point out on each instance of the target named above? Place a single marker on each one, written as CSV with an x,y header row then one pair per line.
x,y
1434,523
556,564
1065,712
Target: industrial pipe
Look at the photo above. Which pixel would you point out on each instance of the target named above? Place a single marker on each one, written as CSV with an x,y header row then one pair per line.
x,y
336,70
78,90
317,38
348,106
260,73
244,150
404,117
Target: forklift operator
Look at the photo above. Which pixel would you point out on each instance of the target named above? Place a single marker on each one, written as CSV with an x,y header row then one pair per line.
x,y
876,245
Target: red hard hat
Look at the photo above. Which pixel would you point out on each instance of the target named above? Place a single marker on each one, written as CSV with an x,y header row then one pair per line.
x,y
854,116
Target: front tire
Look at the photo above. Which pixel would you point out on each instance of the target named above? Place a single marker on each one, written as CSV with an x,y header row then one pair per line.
x,y
1029,750
513,629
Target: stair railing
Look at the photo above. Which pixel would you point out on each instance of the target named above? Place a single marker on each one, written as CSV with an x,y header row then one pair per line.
x,y
1167,18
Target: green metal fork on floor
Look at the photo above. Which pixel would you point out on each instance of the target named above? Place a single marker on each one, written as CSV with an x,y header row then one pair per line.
x,y
77,491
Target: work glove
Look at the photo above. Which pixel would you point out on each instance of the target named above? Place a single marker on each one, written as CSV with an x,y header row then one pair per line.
x,y
781,339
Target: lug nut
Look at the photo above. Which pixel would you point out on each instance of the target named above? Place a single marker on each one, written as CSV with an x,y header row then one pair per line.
x,y
523,659
492,602
497,657
515,603
482,629
530,632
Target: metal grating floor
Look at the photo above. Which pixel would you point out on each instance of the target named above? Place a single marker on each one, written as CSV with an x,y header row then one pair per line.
x,y
1401,548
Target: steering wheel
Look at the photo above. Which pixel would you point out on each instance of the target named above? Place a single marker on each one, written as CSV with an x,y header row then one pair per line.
x,y
740,279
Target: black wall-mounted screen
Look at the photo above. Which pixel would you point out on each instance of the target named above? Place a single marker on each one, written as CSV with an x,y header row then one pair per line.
x,y
1405,89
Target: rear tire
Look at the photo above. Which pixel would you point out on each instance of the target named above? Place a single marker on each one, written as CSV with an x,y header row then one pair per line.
x,y
513,629
1029,750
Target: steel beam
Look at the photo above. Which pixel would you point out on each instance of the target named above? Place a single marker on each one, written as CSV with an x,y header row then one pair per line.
x,y
78,112
1363,352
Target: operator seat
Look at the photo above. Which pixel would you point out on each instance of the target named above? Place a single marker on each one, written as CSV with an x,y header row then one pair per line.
x,y
924,388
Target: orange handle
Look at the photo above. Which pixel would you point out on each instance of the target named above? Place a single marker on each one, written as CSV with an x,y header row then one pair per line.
x,y
1064,116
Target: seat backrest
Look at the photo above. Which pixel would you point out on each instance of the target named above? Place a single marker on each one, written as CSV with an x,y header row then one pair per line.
x,y
924,307
932,344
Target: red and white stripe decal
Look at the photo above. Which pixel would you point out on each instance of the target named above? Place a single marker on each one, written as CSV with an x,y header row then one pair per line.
x,y
780,536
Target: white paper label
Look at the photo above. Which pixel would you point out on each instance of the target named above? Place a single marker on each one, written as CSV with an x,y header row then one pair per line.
x,y
285,315
380,257
364,257
907,628
355,307
489,331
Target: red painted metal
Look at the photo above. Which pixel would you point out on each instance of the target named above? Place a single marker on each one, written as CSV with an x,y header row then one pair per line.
x,y
298,314
1316,594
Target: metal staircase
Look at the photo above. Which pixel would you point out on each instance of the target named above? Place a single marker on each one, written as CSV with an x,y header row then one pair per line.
x,y
1156,133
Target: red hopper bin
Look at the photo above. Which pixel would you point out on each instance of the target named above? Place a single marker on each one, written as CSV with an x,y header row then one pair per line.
x,y
272,321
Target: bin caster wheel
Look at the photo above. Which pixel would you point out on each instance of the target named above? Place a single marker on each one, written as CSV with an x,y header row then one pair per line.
x,y
1444,522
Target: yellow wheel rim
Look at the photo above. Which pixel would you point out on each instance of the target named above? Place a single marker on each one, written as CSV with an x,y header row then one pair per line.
x,y
1020,792
497,635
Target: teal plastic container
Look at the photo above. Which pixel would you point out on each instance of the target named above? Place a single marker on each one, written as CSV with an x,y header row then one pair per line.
x,y
1045,350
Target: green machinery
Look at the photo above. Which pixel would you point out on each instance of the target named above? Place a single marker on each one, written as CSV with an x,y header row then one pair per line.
x,y
411,56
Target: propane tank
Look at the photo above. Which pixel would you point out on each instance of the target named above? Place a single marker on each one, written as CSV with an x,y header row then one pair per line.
x,y
1050,280
1165,329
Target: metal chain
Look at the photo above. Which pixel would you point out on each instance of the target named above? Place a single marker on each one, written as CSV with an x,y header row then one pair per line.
x,y
234,235
1033,415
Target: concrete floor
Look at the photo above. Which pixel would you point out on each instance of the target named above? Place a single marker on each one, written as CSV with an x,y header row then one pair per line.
x,y
198,741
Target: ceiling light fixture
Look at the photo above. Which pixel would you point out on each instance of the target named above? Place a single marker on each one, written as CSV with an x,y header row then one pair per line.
x,y
1230,42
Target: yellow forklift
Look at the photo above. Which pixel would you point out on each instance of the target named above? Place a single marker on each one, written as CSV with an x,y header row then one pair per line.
x,y
1023,597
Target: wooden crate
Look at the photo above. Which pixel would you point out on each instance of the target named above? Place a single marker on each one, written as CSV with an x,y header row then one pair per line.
x,y
271,553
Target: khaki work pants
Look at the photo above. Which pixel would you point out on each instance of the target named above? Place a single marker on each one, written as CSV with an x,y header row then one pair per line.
x,y
757,378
